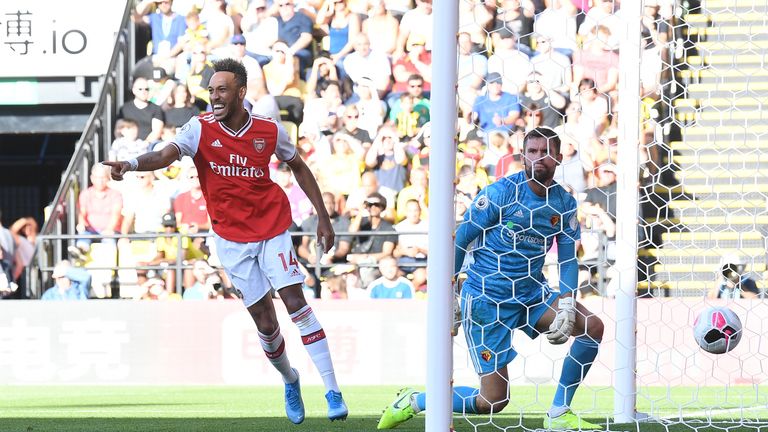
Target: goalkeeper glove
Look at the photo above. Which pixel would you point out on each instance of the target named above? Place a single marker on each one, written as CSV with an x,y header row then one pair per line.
x,y
456,310
561,328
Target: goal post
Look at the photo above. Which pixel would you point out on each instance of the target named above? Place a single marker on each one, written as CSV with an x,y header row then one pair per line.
x,y
625,395
442,173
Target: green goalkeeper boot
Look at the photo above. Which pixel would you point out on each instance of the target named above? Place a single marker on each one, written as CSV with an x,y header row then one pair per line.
x,y
398,411
569,421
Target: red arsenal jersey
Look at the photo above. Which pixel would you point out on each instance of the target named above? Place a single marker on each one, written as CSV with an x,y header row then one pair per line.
x,y
243,203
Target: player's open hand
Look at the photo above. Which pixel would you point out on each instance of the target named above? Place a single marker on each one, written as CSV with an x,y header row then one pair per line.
x,y
119,168
562,327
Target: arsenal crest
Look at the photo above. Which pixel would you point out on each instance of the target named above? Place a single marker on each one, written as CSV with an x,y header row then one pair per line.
x,y
259,144
486,355
554,220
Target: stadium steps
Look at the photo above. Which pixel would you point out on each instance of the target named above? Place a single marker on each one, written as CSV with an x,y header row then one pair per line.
x,y
720,203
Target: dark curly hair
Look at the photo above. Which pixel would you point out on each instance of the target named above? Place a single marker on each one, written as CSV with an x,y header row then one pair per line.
x,y
546,133
234,66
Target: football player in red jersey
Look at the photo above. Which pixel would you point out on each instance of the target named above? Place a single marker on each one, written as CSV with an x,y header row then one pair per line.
x,y
250,216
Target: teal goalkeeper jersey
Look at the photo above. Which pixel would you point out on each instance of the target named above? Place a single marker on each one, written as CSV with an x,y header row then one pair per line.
x,y
512,229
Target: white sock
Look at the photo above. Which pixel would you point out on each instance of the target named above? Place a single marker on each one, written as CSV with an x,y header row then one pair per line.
x,y
274,348
313,336
557,411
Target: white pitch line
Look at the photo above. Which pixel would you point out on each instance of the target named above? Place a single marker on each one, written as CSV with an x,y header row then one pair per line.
x,y
714,412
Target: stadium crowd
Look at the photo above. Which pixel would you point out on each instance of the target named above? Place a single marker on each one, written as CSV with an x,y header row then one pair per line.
x,y
350,81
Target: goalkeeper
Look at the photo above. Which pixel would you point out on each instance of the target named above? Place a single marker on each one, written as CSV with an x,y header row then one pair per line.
x,y
513,223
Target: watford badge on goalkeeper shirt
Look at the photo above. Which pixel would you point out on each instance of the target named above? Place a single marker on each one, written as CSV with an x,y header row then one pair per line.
x,y
486,355
554,220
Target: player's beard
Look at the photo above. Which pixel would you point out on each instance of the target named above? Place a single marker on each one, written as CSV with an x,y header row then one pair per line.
x,y
543,176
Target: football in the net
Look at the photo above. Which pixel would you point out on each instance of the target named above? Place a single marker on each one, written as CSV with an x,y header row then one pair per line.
x,y
717,330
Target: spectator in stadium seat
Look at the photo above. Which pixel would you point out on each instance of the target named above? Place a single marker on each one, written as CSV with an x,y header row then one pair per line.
x,y
372,109
365,62
190,208
594,107
255,72
99,211
415,87
554,67
283,80
476,18
295,29
390,285
205,283
8,288
603,14
571,173
604,194
497,147
388,160
220,28
167,29
417,190
70,283
408,120
517,17
416,23
351,121
144,205
199,75
301,206
550,103
558,24
412,249
596,61
168,252
259,29
496,110
420,147
341,25
8,246
510,60
196,35
342,244
323,69
341,170
178,109
146,114
415,62
368,185
127,142
24,231
381,27
323,112
367,250
472,68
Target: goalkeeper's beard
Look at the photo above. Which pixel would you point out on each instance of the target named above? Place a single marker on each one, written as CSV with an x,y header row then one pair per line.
x,y
544,176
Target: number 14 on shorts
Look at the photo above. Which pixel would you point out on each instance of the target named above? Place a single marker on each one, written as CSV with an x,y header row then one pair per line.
x,y
291,260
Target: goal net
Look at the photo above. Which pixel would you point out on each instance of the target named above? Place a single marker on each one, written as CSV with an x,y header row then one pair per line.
x,y
663,152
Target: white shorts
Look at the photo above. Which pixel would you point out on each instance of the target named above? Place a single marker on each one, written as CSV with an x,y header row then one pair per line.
x,y
256,267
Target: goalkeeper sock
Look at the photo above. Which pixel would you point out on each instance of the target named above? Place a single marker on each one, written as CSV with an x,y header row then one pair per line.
x,y
575,367
463,400
274,348
313,336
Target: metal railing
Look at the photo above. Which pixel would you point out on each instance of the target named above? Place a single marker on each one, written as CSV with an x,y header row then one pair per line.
x,y
91,147
44,264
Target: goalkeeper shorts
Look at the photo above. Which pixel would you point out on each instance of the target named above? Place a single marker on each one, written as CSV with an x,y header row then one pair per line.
x,y
488,327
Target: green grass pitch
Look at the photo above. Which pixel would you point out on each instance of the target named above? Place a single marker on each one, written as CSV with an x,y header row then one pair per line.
x,y
188,409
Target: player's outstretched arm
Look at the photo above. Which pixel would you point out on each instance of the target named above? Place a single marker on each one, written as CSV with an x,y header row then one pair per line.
x,y
147,162
308,184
